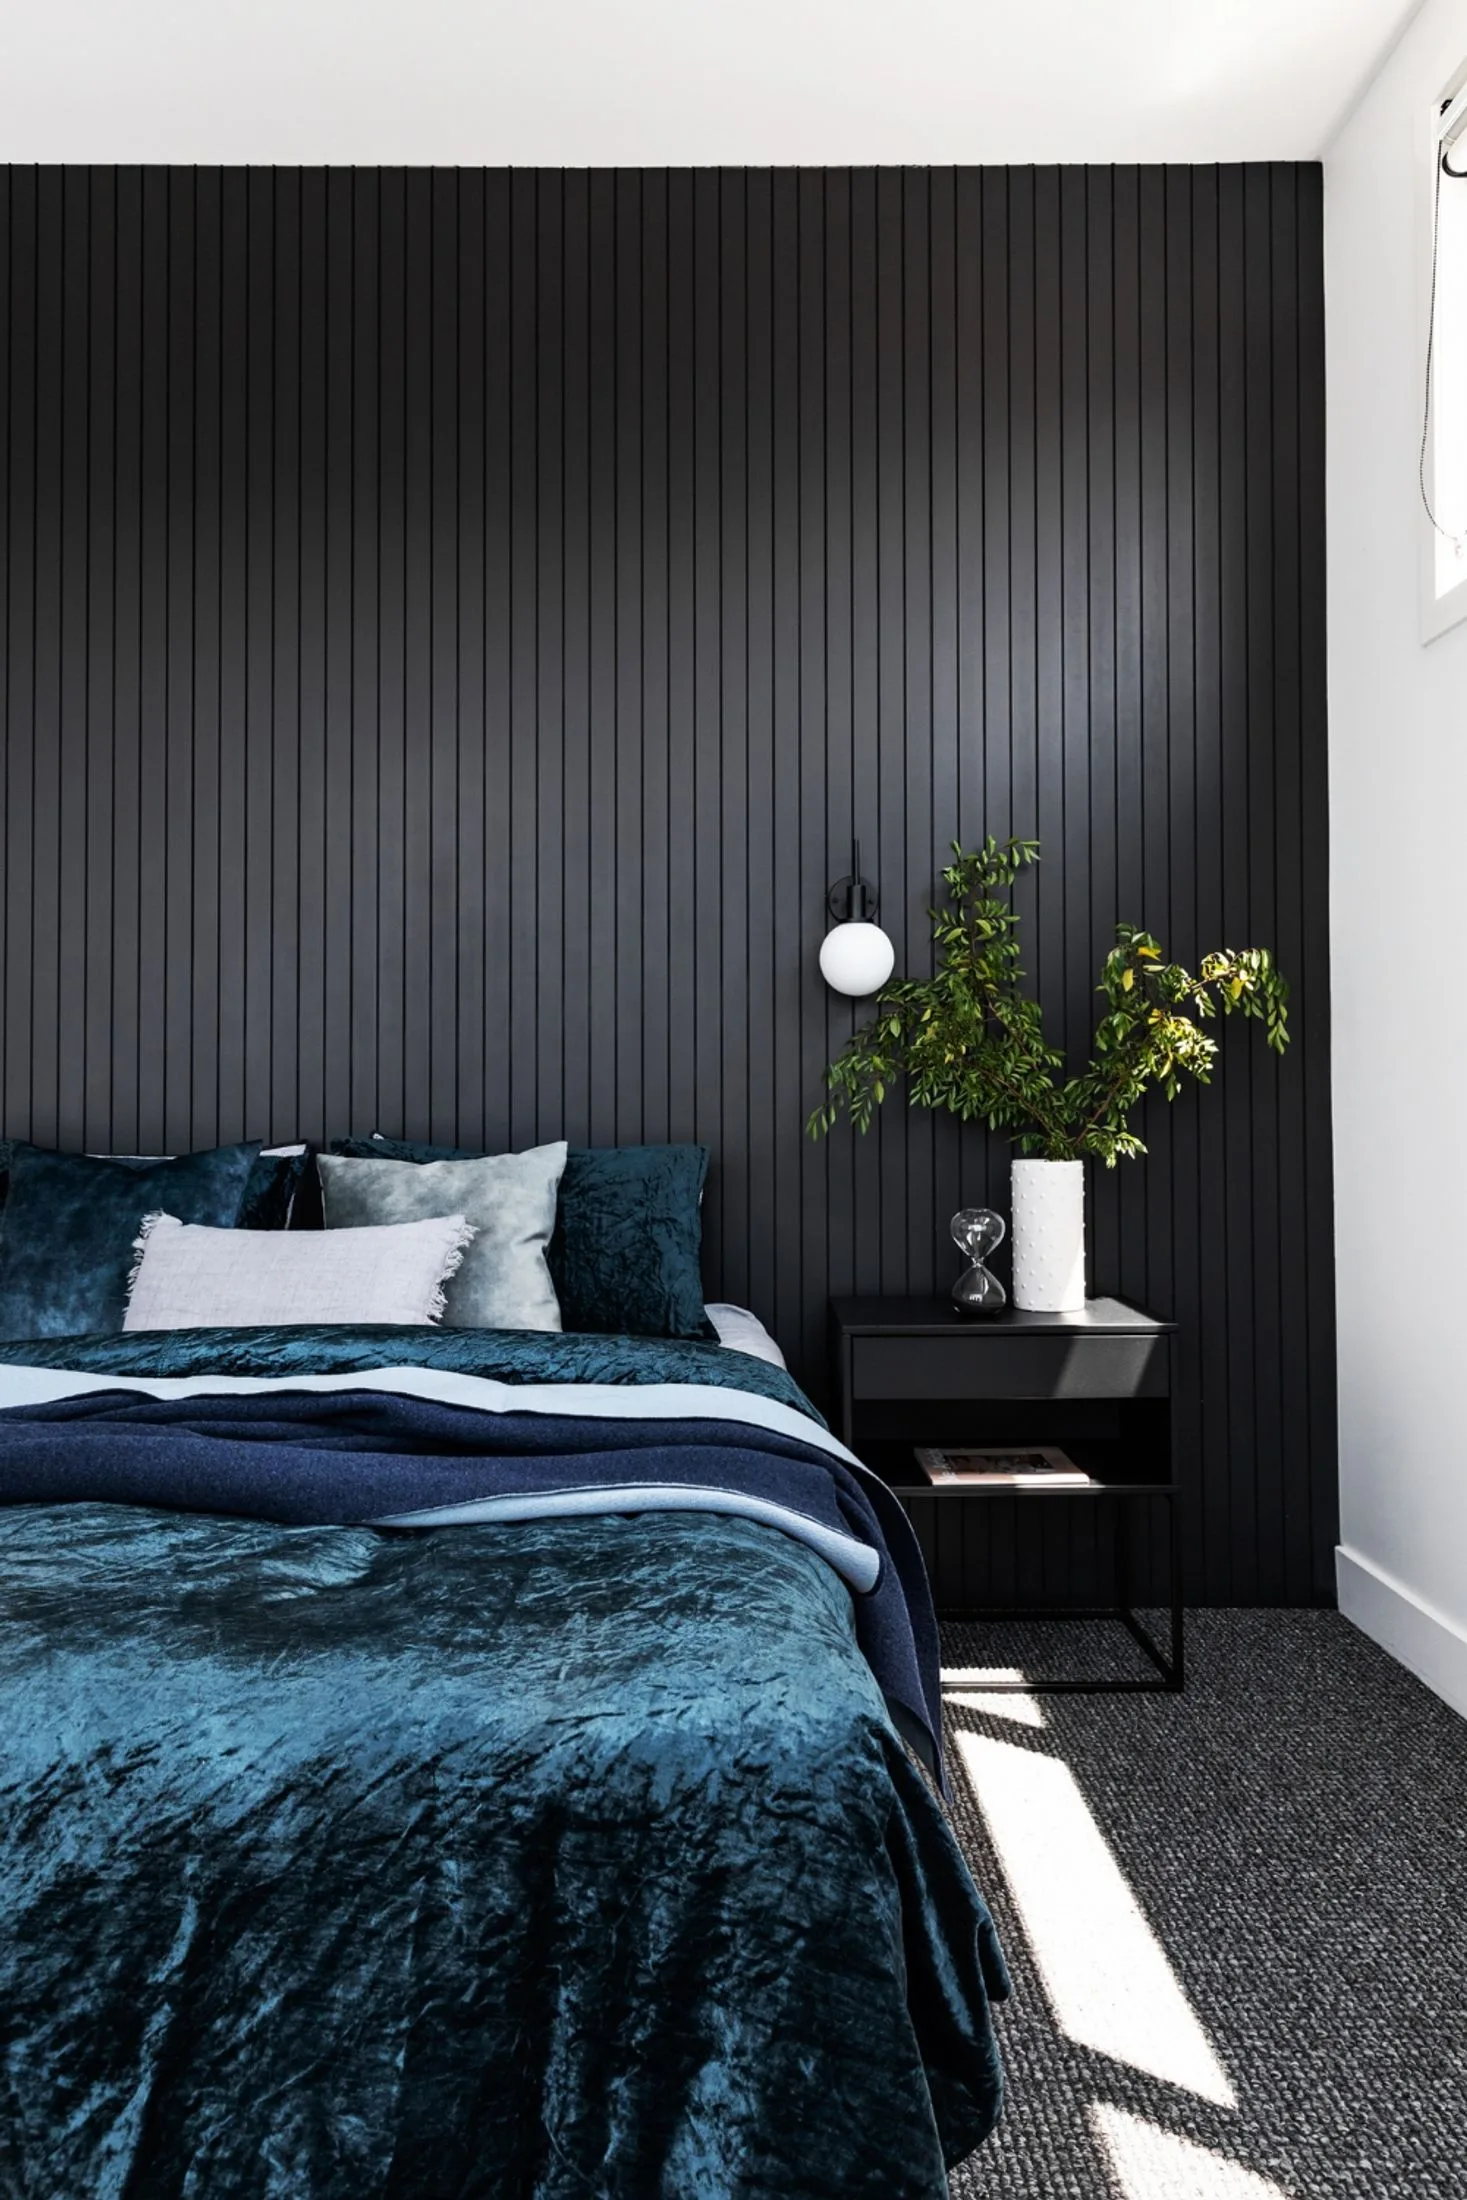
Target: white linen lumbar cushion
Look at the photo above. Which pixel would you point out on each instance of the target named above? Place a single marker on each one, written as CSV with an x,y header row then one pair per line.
x,y
190,1277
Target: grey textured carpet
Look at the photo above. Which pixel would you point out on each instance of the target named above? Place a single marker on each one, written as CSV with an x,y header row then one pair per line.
x,y
1294,1830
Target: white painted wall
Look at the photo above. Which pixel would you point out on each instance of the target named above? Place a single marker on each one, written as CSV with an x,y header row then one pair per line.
x,y
1398,822
673,83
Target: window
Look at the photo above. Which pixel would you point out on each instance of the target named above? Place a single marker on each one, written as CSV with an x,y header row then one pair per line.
x,y
1444,440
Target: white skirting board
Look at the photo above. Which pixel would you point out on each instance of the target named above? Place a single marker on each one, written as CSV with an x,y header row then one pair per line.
x,y
1427,1643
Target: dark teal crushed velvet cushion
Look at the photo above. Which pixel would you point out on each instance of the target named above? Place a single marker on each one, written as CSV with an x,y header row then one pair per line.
x,y
628,1239
625,1257
66,1241
271,1189
270,1192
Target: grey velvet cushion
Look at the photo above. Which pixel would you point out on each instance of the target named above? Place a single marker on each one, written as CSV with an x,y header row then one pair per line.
x,y
503,1281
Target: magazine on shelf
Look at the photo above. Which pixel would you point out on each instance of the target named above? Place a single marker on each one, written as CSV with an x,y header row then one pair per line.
x,y
1002,1467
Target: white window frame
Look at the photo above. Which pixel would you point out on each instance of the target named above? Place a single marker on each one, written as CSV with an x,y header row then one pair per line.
x,y
1438,613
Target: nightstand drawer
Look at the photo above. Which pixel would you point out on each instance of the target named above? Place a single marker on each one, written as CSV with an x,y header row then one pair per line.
x,y
996,1366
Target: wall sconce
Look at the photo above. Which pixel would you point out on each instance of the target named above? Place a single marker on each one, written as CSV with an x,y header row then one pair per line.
x,y
857,957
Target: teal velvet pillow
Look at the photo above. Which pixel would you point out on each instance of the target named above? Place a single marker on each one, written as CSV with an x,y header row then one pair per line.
x,y
66,1240
271,1189
270,1192
626,1255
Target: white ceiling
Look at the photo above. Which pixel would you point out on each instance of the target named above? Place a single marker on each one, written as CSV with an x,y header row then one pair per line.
x,y
669,83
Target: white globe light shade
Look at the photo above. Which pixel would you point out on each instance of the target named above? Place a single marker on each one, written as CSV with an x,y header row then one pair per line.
x,y
856,958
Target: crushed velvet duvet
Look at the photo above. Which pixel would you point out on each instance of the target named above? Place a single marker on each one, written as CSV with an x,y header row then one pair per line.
x,y
560,1851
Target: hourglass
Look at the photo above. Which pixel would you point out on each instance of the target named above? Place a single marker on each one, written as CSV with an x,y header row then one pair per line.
x,y
978,1232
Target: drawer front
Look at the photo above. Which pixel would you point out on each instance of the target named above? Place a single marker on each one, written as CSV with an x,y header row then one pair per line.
x,y
1009,1367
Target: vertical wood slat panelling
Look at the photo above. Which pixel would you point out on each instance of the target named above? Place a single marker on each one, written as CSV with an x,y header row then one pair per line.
x,y
454,622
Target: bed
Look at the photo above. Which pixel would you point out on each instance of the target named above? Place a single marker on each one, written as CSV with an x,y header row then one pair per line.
x,y
457,1762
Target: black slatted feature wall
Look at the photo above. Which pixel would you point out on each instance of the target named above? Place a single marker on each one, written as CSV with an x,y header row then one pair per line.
x,y
452,624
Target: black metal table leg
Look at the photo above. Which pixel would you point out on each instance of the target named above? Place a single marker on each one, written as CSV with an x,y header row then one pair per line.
x,y
1168,1663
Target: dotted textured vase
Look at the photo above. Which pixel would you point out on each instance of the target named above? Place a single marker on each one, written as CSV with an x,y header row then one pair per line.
x,y
1049,1235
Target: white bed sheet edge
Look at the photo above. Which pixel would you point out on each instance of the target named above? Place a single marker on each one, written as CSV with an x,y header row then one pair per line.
x,y
741,1331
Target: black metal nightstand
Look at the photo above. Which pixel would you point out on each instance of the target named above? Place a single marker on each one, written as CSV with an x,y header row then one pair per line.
x,y
1098,1382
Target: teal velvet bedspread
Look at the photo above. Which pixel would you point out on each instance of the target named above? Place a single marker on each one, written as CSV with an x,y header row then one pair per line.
x,y
573,1858
507,1355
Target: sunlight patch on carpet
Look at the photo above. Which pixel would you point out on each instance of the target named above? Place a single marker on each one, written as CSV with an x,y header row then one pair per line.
x,y
1104,1970
973,1688
1152,2164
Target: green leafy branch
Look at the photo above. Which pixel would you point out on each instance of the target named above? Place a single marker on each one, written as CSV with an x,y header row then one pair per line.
x,y
970,1041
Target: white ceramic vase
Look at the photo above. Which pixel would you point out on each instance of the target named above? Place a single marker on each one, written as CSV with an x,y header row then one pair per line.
x,y
1049,1235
